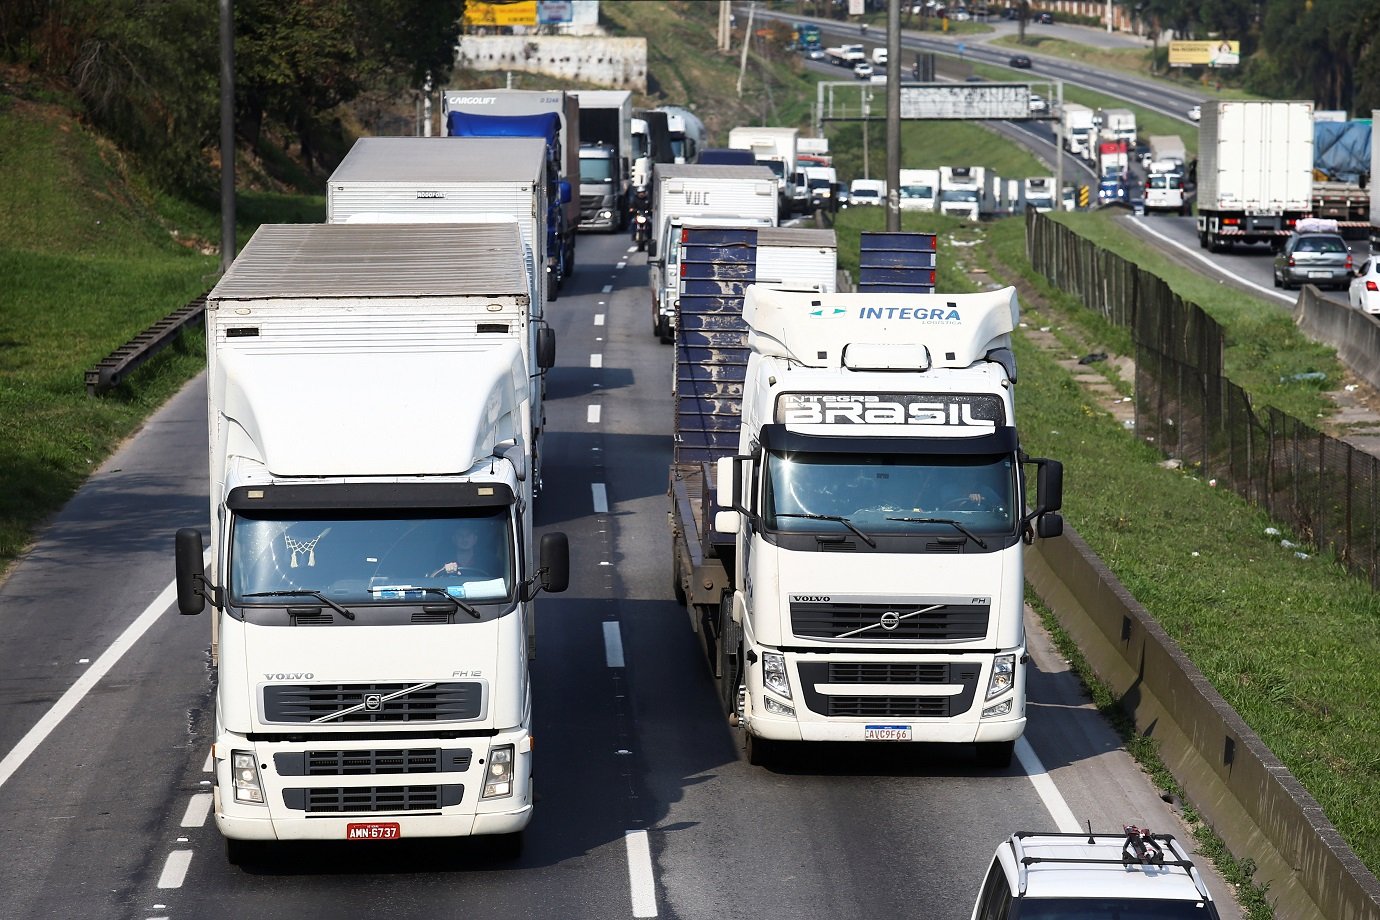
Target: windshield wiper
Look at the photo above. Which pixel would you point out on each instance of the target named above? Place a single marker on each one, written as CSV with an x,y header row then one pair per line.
x,y
459,604
834,517
310,593
959,527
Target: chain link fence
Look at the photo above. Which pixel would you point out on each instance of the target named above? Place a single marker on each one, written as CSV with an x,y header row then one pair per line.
x,y
1320,487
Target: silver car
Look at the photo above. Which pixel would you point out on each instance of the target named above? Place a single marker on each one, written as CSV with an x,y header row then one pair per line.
x,y
1322,259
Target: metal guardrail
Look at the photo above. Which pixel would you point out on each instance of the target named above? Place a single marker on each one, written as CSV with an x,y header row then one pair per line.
x,y
113,369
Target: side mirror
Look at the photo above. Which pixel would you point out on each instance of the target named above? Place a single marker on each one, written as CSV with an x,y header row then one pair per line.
x,y
546,347
651,249
555,562
191,572
565,191
1049,525
1049,485
727,476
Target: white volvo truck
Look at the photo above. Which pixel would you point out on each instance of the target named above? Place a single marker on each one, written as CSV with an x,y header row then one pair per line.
x,y
372,672
859,574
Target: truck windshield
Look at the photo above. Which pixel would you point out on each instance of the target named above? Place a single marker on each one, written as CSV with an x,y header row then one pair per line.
x,y
958,195
917,191
886,494
358,560
778,169
596,169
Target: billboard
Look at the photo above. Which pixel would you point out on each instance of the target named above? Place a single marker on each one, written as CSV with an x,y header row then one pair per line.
x,y
1215,53
552,12
965,100
517,13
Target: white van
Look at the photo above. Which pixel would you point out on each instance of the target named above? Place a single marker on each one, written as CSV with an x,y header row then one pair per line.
x,y
866,192
1164,191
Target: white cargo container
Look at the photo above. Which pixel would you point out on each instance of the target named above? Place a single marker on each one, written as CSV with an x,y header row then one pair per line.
x,y
725,196
1119,125
774,148
1076,129
1255,171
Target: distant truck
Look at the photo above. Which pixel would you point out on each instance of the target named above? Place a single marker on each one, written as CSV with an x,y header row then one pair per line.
x,y
919,189
867,193
551,115
845,55
1342,153
965,191
774,148
1113,159
1167,147
362,429
1038,193
1118,125
1255,171
1076,129
686,133
732,196
606,150
822,183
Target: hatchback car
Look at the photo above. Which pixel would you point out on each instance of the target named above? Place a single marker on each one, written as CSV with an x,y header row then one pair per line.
x,y
1047,19
1019,61
1195,112
1313,258
862,70
1038,103
1364,291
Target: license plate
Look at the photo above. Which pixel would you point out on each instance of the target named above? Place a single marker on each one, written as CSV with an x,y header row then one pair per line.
x,y
1320,274
886,732
374,830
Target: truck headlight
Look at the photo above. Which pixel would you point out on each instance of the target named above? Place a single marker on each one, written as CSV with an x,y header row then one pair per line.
x,y
1001,709
778,708
244,777
498,777
774,674
1003,675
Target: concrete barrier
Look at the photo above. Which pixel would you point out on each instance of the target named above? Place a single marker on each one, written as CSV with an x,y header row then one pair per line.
x,y
1354,334
1234,781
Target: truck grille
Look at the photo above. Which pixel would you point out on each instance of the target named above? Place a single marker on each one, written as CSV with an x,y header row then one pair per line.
x,y
864,622
343,704
372,799
889,674
371,763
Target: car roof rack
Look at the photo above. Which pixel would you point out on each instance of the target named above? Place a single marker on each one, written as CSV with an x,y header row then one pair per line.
x,y
1139,847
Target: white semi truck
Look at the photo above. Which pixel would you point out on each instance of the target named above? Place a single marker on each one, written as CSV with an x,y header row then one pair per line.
x,y
857,575
1077,130
774,148
920,189
1255,171
739,196
372,675
966,191
606,151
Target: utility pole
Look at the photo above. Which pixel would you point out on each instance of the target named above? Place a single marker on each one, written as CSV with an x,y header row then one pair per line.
x,y
893,116
747,43
725,26
227,135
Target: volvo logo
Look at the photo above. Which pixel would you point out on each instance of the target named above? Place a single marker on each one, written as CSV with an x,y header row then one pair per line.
x,y
373,702
890,620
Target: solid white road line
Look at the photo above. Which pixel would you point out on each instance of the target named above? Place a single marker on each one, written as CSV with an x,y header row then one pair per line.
x,y
175,869
1144,224
83,685
1044,787
198,807
601,498
640,878
592,415
613,644
596,360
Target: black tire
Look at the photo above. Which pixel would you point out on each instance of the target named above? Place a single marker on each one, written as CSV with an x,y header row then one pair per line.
x,y
676,587
995,754
244,852
663,330
1202,239
728,639
1274,276
760,751
505,847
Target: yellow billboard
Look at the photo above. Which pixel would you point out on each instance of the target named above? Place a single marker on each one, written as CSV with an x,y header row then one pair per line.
x,y
1216,53
517,13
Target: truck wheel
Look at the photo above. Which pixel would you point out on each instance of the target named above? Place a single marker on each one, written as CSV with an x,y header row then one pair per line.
x,y
729,639
676,575
760,751
663,330
244,852
505,847
995,754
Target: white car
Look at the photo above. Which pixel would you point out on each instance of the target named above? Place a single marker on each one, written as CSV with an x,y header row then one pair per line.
x,y
1195,113
1038,103
862,70
1364,292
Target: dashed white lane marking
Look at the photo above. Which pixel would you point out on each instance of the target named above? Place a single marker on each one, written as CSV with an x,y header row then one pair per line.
x,y
607,289
621,265
69,700
592,415
598,319
175,869
640,878
596,360
632,249
613,644
198,807
601,497
1045,788
210,763
1143,223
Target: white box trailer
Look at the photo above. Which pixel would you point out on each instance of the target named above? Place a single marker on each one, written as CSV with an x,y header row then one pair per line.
x,y
919,189
733,196
1255,171
774,148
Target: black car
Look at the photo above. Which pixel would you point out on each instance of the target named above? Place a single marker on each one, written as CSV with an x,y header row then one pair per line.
x,y
1047,19
1019,60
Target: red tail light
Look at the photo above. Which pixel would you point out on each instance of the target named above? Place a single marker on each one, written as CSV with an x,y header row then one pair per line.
x,y
1348,261
1371,286
1291,261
